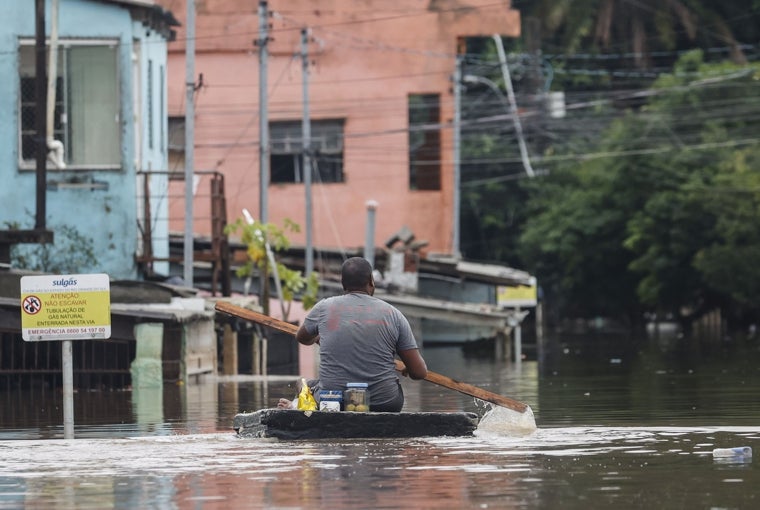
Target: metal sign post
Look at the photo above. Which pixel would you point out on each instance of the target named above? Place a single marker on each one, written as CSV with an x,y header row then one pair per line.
x,y
515,297
68,390
66,307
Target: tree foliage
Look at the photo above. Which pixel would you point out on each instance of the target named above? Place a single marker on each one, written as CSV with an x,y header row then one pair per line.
x,y
662,214
651,198
642,28
258,238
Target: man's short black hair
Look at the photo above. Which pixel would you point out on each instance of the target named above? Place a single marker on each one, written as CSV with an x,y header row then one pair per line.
x,y
355,274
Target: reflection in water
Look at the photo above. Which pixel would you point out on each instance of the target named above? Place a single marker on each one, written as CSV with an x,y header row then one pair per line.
x,y
575,467
623,426
148,405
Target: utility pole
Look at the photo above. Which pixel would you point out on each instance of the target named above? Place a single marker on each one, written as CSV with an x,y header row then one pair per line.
x,y
537,126
39,234
189,248
457,126
306,133
262,42
533,45
40,91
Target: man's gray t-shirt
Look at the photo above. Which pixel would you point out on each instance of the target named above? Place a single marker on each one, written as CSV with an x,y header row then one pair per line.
x,y
359,336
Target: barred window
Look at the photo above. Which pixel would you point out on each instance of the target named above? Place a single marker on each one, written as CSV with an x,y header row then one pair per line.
x,y
286,151
87,105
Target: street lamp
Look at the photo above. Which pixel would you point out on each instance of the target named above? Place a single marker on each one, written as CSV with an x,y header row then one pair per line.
x,y
511,107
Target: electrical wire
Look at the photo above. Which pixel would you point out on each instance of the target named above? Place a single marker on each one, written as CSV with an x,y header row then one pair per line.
x,y
390,48
326,205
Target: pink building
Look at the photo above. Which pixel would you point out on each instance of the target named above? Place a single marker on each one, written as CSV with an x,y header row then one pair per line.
x,y
377,68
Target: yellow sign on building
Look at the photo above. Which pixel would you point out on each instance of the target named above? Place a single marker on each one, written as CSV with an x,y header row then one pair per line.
x,y
519,296
68,307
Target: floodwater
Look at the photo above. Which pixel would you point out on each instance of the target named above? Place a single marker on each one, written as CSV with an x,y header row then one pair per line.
x,y
621,424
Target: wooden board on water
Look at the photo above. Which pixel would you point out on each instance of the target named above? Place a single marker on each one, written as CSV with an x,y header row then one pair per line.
x,y
294,424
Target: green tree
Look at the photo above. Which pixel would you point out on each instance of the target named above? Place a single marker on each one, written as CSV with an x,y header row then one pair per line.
x,y
639,27
645,198
662,206
575,228
491,199
258,238
706,207
729,263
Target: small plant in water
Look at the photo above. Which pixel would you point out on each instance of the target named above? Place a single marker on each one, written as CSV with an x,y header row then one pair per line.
x,y
258,237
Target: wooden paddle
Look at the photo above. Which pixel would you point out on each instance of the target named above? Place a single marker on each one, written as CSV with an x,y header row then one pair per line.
x,y
441,380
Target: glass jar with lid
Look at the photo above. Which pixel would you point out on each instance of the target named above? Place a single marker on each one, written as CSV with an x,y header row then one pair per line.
x,y
356,397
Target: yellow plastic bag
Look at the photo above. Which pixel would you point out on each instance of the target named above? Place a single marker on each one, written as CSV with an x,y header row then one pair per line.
x,y
306,400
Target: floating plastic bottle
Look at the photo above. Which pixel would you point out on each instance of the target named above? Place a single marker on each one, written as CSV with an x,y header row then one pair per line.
x,y
739,451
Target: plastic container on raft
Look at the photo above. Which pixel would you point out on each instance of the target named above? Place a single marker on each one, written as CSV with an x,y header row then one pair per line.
x,y
356,397
330,400
739,451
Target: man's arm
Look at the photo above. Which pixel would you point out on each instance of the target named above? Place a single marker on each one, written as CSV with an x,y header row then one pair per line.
x,y
306,338
415,365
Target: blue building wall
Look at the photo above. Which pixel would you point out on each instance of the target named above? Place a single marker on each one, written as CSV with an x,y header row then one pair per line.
x,y
153,144
108,211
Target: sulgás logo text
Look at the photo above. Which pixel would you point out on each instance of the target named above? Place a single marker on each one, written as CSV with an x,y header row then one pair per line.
x,y
64,282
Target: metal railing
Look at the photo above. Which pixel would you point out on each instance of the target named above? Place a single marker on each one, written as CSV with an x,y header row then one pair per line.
x,y
213,249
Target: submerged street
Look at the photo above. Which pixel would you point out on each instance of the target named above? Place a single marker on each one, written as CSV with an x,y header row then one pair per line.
x,y
618,426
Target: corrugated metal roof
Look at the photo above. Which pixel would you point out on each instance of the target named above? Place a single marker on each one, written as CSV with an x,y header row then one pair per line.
x,y
496,273
491,273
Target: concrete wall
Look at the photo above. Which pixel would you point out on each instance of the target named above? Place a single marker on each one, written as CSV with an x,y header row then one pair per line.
x,y
107,212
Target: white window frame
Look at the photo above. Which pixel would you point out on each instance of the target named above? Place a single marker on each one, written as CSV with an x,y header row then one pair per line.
x,y
63,121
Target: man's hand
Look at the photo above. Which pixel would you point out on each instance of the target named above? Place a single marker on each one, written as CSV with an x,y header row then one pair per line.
x,y
412,364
